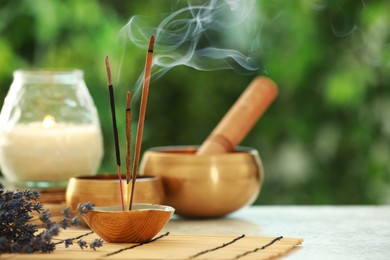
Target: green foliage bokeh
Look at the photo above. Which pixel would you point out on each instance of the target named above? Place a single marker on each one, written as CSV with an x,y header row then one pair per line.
x,y
325,140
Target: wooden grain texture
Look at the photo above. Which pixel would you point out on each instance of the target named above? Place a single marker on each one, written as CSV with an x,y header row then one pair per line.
x,y
171,246
128,226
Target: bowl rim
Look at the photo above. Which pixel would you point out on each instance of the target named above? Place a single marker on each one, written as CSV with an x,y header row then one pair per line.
x,y
137,207
185,154
193,148
110,177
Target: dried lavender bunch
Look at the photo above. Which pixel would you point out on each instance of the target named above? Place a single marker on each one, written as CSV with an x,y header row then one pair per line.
x,y
17,235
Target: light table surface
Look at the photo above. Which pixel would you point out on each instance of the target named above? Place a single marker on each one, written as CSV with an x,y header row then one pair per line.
x,y
329,232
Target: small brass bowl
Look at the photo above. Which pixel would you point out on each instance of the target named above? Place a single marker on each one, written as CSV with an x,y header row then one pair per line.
x,y
103,190
205,186
138,225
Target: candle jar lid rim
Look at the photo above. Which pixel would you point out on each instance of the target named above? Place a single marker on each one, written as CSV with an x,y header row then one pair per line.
x,y
49,76
47,72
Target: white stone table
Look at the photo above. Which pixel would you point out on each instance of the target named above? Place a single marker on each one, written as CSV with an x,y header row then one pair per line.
x,y
329,232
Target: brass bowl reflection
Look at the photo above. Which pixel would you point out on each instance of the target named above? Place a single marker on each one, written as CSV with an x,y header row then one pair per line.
x,y
103,190
204,185
138,225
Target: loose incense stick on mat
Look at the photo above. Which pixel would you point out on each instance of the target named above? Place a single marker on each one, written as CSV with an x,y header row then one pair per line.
x,y
142,112
115,128
173,246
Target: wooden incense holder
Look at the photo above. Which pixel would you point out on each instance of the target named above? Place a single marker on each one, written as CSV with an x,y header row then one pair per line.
x,y
241,117
138,225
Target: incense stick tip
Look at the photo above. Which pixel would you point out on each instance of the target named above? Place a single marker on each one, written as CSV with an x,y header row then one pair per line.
x,y
151,44
108,69
128,101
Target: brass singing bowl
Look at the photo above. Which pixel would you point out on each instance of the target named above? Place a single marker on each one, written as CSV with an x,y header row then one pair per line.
x,y
138,225
103,190
205,186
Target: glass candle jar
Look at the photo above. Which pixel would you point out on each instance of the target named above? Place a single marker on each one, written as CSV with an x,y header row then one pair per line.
x,y
49,129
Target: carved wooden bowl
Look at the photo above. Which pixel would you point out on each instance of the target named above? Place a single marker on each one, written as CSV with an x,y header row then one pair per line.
x,y
138,225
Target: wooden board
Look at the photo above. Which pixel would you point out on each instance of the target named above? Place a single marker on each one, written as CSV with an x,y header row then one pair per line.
x,y
170,246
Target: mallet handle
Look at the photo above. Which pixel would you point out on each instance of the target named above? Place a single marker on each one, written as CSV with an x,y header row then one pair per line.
x,y
241,117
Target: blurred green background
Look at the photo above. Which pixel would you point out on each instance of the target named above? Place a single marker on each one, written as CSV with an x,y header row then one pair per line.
x,y
325,140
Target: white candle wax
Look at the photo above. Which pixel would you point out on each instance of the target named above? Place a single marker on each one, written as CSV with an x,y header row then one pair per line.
x,y
36,152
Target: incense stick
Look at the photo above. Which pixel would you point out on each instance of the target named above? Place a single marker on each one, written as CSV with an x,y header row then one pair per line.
x,y
140,129
115,128
128,146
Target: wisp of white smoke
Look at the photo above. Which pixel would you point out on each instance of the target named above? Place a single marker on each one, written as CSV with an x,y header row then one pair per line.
x,y
213,35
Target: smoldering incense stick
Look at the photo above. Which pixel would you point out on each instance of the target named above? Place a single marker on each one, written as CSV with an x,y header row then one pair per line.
x,y
128,145
115,128
140,129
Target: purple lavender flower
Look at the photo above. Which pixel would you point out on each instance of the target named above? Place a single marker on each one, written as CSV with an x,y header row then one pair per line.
x,y
82,243
67,212
76,221
45,216
28,194
97,242
38,207
35,195
68,242
83,208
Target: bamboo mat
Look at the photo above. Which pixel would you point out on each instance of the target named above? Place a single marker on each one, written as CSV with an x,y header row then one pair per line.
x,y
170,246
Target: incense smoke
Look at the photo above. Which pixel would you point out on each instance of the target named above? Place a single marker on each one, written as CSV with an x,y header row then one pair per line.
x,y
214,35
342,21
